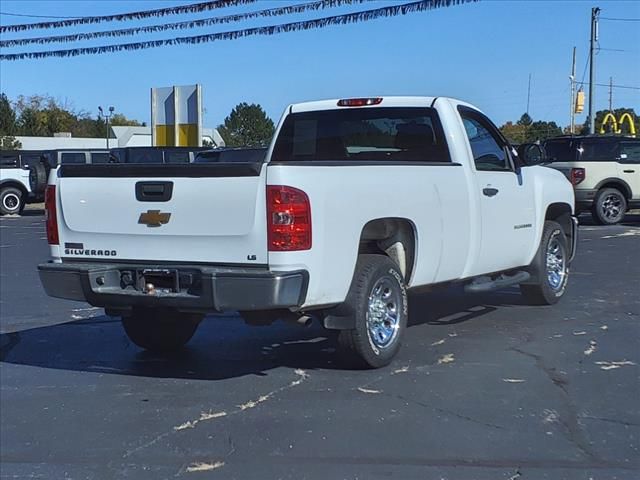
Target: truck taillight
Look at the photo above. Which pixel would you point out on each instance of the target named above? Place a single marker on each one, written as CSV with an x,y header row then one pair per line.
x,y
577,175
288,219
50,212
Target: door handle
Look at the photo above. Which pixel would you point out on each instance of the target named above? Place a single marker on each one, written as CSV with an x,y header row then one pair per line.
x,y
629,171
490,192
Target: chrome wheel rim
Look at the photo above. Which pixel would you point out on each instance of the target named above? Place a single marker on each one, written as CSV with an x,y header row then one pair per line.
x,y
556,264
611,207
383,313
11,201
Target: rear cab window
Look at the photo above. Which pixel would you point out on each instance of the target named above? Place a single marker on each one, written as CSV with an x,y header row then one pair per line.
x,y
362,134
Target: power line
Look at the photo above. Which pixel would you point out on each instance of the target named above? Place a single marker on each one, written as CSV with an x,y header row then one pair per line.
x,y
272,12
614,86
621,19
32,16
119,17
617,50
323,22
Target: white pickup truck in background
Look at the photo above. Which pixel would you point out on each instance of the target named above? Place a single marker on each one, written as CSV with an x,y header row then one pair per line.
x,y
357,201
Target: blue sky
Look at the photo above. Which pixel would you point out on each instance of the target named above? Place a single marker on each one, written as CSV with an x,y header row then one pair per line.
x,y
482,53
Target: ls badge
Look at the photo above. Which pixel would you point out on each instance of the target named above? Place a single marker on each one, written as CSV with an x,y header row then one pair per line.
x,y
154,218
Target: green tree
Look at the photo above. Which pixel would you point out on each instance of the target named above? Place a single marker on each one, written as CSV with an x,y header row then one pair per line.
x,y
525,120
247,126
515,133
525,130
119,120
541,130
618,112
7,125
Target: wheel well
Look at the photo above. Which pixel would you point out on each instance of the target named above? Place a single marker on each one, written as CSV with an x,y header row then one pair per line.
x,y
394,237
14,184
622,187
561,213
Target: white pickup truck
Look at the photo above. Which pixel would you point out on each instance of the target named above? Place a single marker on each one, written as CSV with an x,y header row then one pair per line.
x,y
356,201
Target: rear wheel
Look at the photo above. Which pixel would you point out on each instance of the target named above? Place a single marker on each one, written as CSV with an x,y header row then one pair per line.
x,y
609,207
160,330
378,302
550,267
11,201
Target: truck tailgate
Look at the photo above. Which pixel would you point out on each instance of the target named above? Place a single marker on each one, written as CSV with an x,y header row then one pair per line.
x,y
212,213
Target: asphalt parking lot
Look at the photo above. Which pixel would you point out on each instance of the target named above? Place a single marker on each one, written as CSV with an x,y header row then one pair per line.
x,y
485,387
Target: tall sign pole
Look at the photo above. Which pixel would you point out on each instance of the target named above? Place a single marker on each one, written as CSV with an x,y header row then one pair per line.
x,y
572,107
594,38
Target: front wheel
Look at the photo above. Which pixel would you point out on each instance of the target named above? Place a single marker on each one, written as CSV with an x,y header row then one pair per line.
x,y
550,267
378,302
160,330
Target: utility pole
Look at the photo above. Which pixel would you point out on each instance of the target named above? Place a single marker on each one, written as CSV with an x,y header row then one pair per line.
x,y
528,94
611,94
595,12
572,107
107,117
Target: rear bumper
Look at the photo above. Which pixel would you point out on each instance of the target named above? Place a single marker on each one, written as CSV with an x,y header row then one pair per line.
x,y
200,288
585,198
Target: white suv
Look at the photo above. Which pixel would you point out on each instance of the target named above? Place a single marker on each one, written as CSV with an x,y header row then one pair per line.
x,y
14,180
604,171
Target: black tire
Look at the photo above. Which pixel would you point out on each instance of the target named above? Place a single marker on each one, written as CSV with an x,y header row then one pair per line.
x,y
11,201
547,288
38,178
609,207
374,275
160,330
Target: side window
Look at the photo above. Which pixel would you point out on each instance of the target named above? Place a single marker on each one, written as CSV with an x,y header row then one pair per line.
x,y
99,157
28,160
176,156
72,157
629,152
9,161
488,151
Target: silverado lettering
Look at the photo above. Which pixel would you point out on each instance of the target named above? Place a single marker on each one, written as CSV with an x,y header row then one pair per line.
x,y
91,253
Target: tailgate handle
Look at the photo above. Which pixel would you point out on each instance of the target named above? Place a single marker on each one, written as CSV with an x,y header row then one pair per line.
x,y
154,191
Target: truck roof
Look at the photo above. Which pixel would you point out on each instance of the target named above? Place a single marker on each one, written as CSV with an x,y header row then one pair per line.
x,y
386,101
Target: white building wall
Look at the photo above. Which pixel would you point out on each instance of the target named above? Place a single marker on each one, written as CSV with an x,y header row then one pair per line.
x,y
124,137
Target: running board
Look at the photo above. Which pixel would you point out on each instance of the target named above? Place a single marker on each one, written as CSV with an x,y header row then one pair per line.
x,y
486,284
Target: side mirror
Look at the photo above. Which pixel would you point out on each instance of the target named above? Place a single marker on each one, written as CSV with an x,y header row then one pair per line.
x,y
531,154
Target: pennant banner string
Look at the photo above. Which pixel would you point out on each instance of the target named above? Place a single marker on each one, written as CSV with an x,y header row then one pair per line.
x,y
357,17
160,12
205,22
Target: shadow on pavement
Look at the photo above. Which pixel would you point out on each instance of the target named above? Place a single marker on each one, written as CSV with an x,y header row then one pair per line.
x,y
224,347
629,220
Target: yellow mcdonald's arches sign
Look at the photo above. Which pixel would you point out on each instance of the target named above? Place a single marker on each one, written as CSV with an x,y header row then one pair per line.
x,y
632,126
617,124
